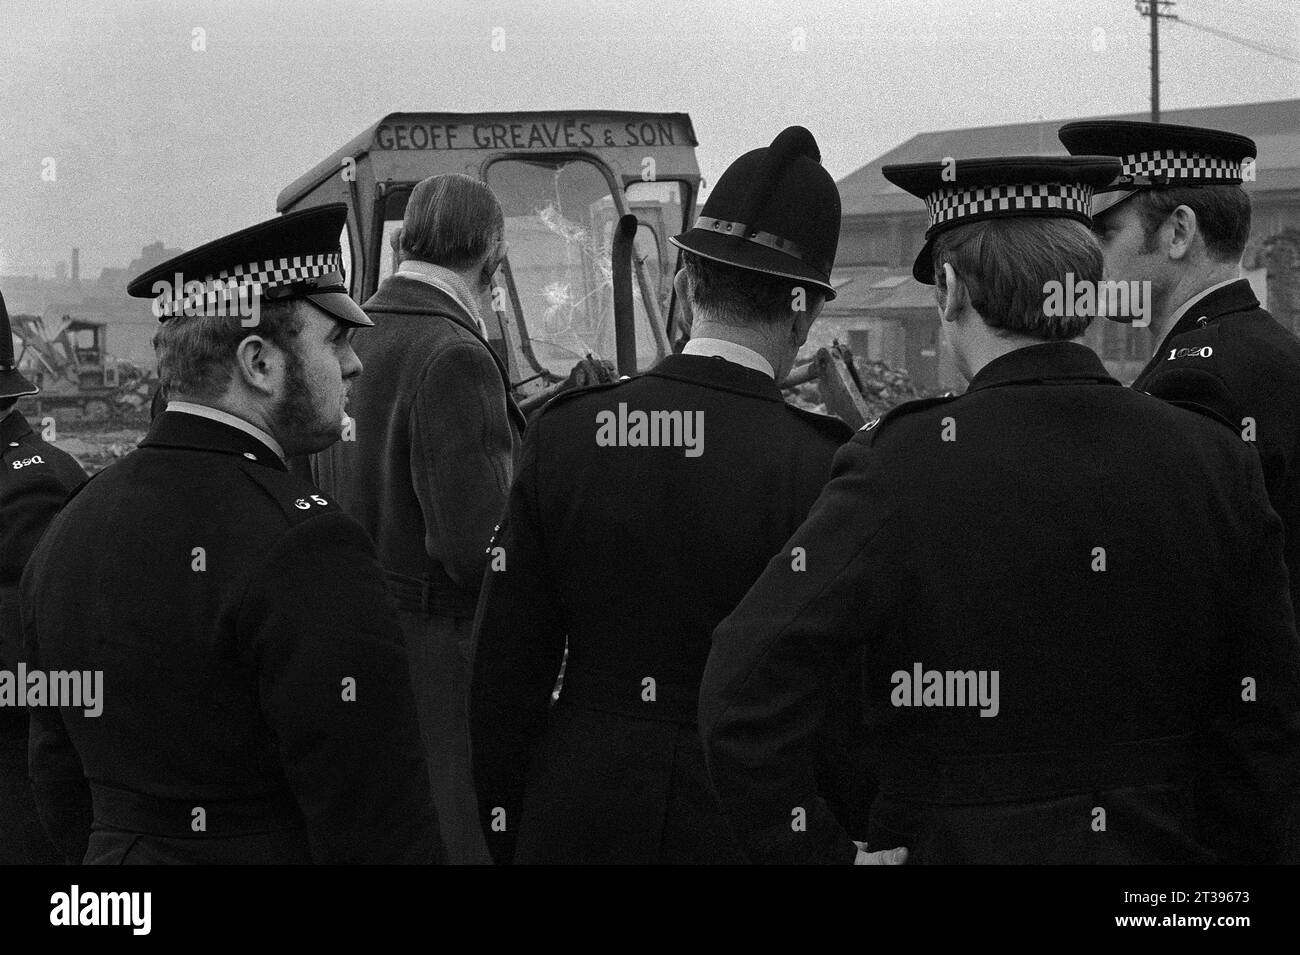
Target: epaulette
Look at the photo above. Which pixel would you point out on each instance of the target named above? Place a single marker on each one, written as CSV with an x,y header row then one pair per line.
x,y
37,458
569,393
24,456
871,430
298,499
1199,346
1189,373
828,425
26,448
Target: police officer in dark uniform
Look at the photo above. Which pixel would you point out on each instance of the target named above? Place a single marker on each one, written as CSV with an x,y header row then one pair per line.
x,y
641,512
1066,661
256,703
1178,218
35,479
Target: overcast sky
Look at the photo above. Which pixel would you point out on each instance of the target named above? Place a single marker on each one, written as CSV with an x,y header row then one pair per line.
x,y
153,140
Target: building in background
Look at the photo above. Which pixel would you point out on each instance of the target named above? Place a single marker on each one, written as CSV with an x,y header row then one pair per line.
x,y
883,314
880,312
130,323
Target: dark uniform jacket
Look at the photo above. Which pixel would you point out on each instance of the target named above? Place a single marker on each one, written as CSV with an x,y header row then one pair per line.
x,y
1229,354
35,479
436,432
634,553
257,706
1112,558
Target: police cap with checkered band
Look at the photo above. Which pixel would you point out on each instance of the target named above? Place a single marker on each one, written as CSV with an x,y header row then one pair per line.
x,y
774,210
961,191
293,256
1156,155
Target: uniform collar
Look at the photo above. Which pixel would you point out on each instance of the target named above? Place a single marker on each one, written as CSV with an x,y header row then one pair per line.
x,y
1213,303
716,372
729,351
201,432
1234,295
1046,362
13,428
225,417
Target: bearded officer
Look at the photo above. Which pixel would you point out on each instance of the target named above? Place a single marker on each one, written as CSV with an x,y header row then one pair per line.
x,y
632,545
35,478
1037,695
257,703
1178,218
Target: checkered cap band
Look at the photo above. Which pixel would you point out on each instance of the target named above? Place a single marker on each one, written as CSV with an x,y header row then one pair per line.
x,y
228,287
1180,164
948,205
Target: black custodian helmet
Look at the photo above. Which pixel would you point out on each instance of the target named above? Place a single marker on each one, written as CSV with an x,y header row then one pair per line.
x,y
12,382
775,210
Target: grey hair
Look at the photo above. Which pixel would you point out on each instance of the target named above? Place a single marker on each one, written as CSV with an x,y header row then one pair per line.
x,y
451,220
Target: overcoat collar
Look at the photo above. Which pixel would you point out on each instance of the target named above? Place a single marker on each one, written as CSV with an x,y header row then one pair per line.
x,y
1046,363
403,296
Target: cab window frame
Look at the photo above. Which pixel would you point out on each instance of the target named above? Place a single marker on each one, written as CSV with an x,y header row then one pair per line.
x,y
689,193
660,321
617,191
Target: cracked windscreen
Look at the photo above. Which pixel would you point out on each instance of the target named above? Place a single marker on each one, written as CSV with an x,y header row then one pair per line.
x,y
560,220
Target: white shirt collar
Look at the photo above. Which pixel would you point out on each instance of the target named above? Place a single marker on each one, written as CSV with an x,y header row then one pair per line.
x,y
216,414
1188,305
729,351
446,280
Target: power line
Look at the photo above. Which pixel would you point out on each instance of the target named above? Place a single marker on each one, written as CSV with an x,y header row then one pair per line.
x,y
1267,17
1241,40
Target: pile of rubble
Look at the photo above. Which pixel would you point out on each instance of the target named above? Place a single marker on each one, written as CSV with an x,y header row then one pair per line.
x,y
883,387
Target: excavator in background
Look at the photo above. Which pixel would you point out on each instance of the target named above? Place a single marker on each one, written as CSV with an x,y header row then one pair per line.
x,y
68,359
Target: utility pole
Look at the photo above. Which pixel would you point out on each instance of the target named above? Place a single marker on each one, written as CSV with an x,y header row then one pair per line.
x,y
1151,8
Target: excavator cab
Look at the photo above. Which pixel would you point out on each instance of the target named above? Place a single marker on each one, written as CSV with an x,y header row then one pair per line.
x,y
87,342
567,183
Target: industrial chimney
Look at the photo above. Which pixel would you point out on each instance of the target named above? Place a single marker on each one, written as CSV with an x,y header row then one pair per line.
x,y
76,265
